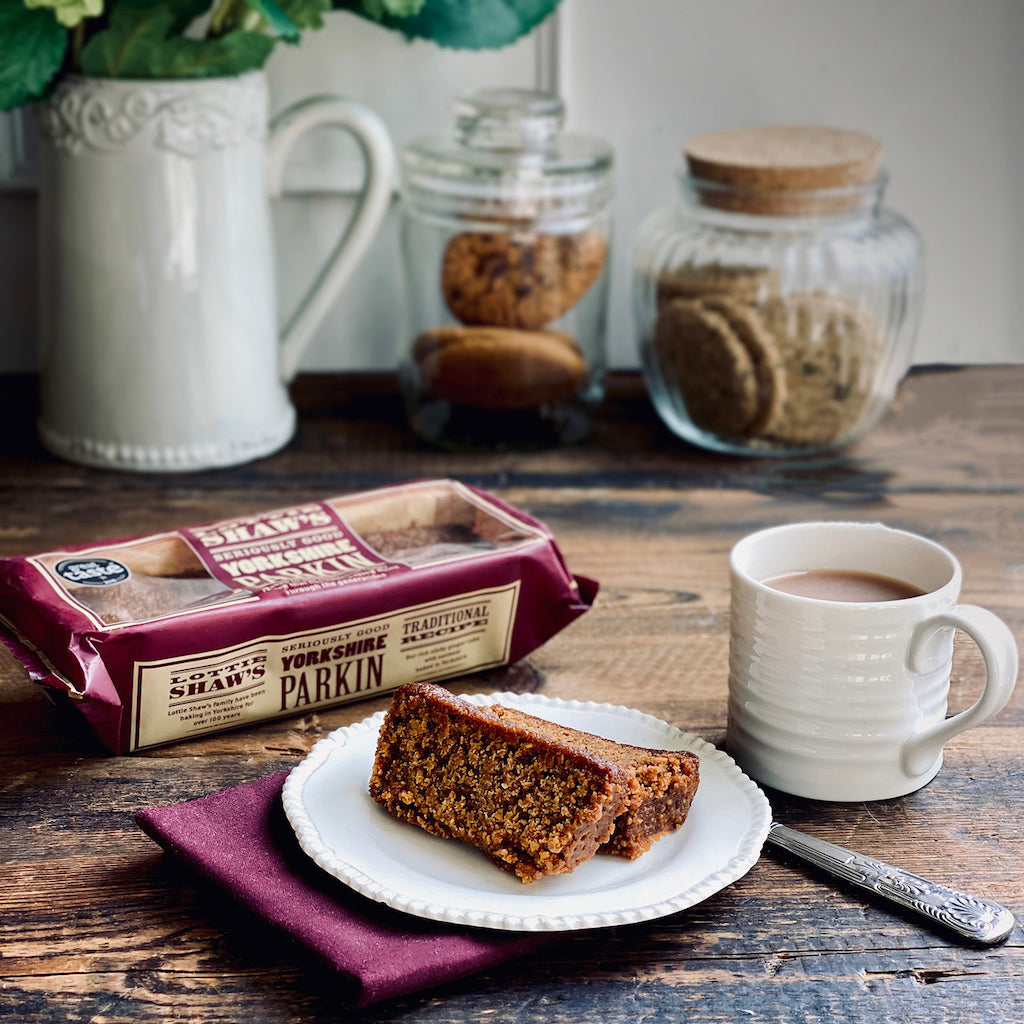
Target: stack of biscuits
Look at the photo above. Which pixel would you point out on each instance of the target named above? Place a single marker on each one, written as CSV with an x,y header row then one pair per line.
x,y
749,362
506,289
753,357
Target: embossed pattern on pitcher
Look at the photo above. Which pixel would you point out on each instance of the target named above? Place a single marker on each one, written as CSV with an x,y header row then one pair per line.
x,y
106,116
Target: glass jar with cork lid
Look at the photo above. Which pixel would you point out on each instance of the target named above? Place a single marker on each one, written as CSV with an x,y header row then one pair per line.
x,y
505,233
777,303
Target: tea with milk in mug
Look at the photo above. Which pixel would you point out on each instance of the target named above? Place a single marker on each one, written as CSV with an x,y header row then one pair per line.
x,y
842,585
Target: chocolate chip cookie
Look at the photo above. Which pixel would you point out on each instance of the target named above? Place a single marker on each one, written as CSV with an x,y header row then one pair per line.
x,y
519,279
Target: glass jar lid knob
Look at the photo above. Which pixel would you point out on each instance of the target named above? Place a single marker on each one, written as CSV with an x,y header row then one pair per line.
x,y
511,119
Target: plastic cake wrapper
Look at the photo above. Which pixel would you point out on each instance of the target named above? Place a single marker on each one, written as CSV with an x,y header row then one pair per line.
x,y
181,634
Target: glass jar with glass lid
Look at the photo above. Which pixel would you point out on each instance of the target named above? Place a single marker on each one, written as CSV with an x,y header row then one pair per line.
x,y
777,303
505,234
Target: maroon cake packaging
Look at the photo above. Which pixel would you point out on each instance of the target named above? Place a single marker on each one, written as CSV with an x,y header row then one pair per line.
x,y
196,630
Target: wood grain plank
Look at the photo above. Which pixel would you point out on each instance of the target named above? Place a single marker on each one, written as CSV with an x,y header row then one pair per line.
x,y
96,925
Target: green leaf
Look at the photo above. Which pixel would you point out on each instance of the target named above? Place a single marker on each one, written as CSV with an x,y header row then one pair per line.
x,y
459,24
33,51
232,54
136,44
306,13
128,47
275,18
185,12
379,9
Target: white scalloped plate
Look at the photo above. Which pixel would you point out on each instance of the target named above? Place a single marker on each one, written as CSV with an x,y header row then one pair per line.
x,y
348,835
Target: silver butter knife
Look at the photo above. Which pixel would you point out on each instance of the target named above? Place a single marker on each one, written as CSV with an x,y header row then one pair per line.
x,y
970,917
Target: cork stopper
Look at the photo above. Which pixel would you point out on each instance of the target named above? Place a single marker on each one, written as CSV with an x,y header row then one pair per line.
x,y
765,170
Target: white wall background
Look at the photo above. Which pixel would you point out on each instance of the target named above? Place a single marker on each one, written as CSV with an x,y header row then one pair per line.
x,y
941,82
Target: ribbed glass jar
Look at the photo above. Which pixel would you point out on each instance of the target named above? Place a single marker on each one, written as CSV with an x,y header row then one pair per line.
x,y
777,303
505,235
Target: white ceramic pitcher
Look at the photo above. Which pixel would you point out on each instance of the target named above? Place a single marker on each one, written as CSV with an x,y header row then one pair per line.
x,y
160,343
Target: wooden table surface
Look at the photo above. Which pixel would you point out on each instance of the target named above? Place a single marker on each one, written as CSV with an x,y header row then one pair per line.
x,y
97,925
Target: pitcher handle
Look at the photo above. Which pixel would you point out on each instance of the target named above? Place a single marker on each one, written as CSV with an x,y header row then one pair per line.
x,y
379,158
999,651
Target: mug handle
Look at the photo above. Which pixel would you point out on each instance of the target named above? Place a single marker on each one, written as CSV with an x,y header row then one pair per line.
x,y
379,158
999,650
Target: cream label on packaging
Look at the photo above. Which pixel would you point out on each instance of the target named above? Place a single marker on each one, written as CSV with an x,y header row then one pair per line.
x,y
273,677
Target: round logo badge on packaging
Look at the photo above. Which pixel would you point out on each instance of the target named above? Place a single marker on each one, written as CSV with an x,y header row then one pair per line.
x,y
92,572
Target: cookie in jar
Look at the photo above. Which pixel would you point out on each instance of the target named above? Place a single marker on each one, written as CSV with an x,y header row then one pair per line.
x,y
777,302
505,233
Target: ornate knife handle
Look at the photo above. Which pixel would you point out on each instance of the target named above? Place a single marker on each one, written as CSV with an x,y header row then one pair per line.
x,y
968,916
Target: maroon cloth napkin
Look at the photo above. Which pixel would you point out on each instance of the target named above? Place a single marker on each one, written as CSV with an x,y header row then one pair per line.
x,y
241,839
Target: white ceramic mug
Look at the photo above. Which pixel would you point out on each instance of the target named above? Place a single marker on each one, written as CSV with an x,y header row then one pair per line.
x,y
840,700
160,346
